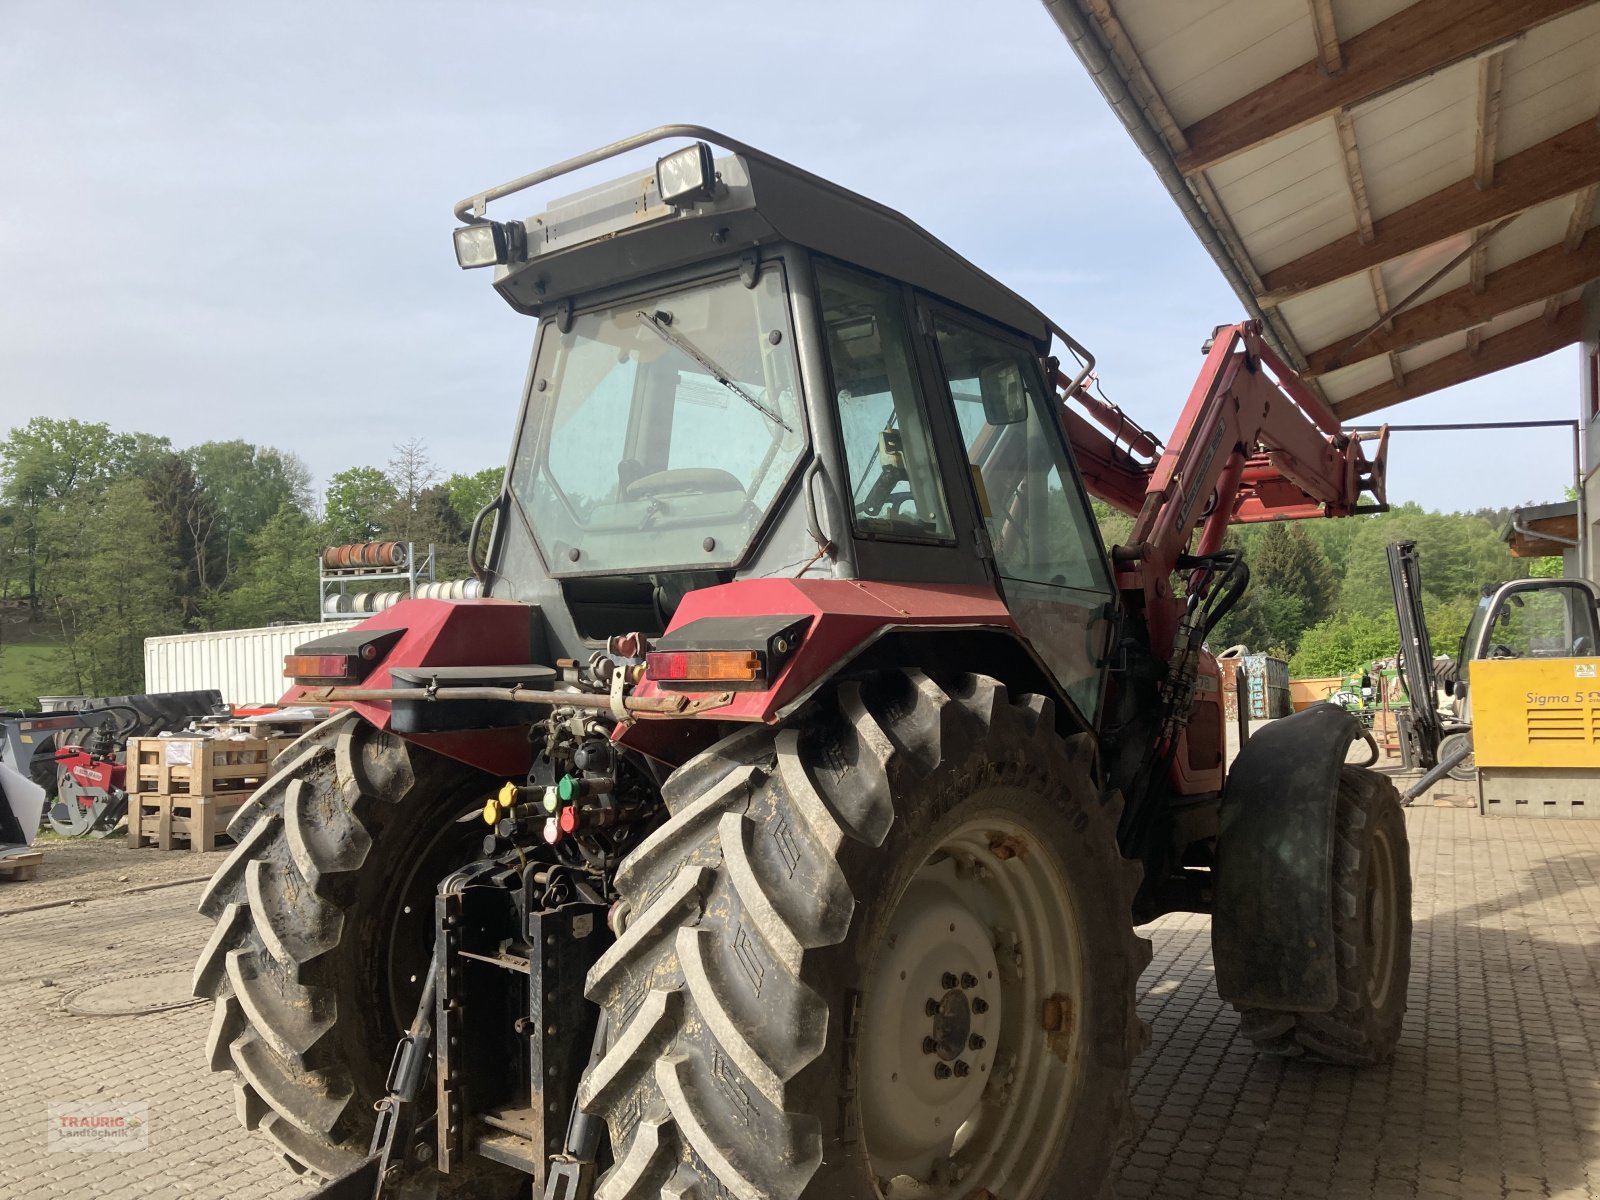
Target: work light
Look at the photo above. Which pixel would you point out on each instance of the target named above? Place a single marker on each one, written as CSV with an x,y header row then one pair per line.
x,y
491,243
686,176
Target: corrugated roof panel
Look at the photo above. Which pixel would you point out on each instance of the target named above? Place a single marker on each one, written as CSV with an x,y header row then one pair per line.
x,y
1421,356
1322,317
1418,139
1203,55
1356,378
1404,275
1532,231
1288,196
1552,81
1357,16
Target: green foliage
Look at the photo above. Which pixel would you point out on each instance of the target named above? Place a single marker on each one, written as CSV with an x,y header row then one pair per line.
x,y
113,585
1343,643
469,493
1458,554
278,581
357,503
1291,587
248,485
1546,568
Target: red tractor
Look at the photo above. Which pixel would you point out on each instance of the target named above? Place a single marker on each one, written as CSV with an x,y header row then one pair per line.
x,y
778,824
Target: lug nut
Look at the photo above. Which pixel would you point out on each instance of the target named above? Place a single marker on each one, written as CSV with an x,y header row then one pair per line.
x,y
931,1008
968,980
979,1004
949,980
962,1070
941,1070
975,1042
929,1046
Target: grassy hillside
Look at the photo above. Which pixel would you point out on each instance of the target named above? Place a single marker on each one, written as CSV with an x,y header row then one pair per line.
x,y
30,663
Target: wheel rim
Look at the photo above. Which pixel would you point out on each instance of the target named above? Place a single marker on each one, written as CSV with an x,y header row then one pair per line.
x,y
1380,925
972,1019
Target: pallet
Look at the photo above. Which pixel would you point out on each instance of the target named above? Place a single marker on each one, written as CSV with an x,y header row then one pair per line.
x,y
176,822
200,766
20,868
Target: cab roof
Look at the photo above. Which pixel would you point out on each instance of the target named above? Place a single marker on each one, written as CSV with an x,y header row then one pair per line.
x,y
623,230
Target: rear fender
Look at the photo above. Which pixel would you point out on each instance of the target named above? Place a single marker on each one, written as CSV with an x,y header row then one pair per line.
x,y
1272,925
453,633
844,620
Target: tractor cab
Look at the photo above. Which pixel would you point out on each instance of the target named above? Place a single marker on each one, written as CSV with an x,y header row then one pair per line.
x,y
744,371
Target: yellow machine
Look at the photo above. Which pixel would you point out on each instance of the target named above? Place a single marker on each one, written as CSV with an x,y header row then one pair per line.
x,y
1534,699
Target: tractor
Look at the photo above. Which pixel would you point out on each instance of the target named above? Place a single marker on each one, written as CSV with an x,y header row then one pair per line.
x,y
778,823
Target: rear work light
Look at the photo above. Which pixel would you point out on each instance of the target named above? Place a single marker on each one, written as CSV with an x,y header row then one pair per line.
x,y
703,666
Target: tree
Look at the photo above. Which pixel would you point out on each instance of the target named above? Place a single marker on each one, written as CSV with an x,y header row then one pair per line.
x,y
357,503
1343,643
1291,586
45,462
411,473
248,484
469,493
278,576
113,585
190,530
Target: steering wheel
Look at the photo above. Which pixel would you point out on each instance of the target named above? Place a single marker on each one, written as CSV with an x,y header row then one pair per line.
x,y
684,480
1581,647
1500,650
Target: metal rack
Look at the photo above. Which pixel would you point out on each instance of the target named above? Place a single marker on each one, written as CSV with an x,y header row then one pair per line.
x,y
334,582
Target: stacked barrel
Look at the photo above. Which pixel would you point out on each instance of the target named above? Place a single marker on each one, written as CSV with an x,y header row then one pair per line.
x,y
355,556
371,602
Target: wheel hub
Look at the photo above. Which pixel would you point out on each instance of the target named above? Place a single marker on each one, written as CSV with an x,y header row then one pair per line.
x,y
952,1024
959,1081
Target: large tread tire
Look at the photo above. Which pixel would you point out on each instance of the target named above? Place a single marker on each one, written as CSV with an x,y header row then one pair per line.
x,y
301,967
733,991
1364,1025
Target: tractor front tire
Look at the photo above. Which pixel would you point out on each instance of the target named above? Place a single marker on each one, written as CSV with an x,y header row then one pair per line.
x,y
884,950
323,917
1371,933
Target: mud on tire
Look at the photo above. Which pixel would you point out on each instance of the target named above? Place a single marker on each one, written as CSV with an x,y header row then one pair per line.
x,y
1372,945
734,991
308,969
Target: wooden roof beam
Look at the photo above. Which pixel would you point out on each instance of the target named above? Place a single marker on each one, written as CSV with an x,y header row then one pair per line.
x,y
1417,41
1547,171
1522,343
1540,276
1353,178
1491,77
1578,222
1330,54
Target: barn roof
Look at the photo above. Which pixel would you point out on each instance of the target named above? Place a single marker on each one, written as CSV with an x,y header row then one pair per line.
x,y
1404,192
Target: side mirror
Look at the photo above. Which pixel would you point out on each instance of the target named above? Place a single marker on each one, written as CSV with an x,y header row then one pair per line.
x,y
1005,395
1458,689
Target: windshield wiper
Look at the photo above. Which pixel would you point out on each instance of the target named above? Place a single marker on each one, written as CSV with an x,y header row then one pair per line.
x,y
664,332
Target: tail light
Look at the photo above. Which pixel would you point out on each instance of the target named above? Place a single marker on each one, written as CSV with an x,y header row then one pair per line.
x,y
703,666
340,657
724,652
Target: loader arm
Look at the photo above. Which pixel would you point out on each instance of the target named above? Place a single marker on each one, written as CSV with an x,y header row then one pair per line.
x,y
1252,444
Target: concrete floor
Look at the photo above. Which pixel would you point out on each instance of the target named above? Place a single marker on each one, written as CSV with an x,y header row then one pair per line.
x,y
1495,1091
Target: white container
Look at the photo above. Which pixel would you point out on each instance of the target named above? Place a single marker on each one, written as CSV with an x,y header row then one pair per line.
x,y
245,665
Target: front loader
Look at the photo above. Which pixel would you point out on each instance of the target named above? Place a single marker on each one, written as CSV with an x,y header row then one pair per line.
x,y
778,824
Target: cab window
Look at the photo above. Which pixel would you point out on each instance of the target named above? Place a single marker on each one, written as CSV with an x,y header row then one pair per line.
x,y
894,485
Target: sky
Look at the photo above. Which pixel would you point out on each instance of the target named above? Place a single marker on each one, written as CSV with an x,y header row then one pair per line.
x,y
233,221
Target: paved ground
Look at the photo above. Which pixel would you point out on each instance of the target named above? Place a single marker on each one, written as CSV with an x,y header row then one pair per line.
x,y
1495,1091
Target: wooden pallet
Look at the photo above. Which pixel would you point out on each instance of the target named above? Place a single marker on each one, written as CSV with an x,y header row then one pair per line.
x,y
182,821
21,867
200,766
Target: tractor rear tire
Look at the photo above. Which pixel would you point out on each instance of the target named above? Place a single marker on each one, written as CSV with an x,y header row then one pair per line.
x,y
813,948
315,966
1372,936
